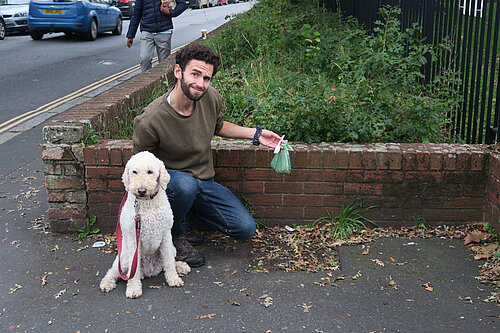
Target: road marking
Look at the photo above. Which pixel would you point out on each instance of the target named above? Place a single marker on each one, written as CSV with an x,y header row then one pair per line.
x,y
5,126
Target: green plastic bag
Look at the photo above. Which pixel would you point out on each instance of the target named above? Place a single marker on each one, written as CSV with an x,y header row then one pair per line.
x,y
281,160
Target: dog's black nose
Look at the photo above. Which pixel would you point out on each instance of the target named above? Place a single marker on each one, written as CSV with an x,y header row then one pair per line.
x,y
141,191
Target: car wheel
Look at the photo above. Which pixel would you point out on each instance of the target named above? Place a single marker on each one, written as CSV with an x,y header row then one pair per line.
x,y
118,28
91,34
36,35
2,30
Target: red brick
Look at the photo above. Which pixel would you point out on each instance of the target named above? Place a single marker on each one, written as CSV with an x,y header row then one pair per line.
x,y
284,212
96,185
304,175
423,160
369,160
105,172
315,159
449,161
126,154
328,159
107,197
336,175
252,187
281,187
262,174
463,203
299,159
382,160
342,159
265,199
263,158
89,154
116,185
63,183
395,160
363,189
54,196
302,200
436,161
409,161
229,174
115,157
477,161
322,188
355,160
103,156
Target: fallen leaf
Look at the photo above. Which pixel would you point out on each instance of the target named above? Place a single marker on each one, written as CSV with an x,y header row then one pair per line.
x,y
60,293
305,307
428,286
207,316
392,259
378,262
475,236
219,283
154,287
356,276
268,301
401,263
367,251
16,288
233,302
234,272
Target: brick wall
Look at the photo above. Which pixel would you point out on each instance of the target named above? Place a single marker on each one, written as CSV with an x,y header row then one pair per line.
x,y
443,184
439,183
492,204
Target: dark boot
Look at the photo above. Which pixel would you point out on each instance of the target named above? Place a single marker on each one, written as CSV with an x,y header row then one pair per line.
x,y
192,235
188,254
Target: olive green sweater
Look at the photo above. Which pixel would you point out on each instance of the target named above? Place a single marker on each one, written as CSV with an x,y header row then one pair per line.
x,y
182,143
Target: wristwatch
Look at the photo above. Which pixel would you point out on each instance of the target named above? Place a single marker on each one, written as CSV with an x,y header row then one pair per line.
x,y
258,132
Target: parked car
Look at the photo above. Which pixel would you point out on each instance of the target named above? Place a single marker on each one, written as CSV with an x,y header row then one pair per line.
x,y
212,3
82,17
197,3
15,14
221,2
126,6
2,27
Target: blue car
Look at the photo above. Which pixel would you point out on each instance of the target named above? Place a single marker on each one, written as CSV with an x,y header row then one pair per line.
x,y
82,17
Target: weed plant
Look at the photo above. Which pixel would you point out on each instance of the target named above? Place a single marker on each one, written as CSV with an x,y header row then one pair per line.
x,y
303,71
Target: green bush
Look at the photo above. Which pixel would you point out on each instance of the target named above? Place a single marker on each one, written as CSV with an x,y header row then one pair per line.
x,y
303,71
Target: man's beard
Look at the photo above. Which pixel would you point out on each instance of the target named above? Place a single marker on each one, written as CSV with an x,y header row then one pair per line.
x,y
187,92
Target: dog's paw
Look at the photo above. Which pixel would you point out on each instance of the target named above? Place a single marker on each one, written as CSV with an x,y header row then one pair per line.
x,y
107,285
133,291
174,281
182,268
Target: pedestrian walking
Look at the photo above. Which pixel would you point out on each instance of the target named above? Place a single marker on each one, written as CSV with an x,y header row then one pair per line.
x,y
155,19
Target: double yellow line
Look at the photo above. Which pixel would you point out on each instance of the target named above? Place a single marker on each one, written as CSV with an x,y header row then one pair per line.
x,y
49,106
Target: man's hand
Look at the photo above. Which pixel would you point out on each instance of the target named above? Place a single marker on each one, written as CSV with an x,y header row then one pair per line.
x,y
270,139
165,9
130,41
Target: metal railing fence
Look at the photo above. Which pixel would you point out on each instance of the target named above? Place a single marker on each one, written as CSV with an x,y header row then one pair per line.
x,y
473,28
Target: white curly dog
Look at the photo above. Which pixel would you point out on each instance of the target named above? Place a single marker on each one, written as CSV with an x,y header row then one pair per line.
x,y
145,179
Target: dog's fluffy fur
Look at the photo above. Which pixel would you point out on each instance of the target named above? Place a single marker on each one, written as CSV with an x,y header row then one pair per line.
x,y
144,176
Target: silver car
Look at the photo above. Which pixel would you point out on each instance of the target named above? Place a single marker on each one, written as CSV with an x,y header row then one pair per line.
x,y
15,14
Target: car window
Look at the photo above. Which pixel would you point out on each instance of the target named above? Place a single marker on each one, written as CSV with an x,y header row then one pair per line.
x,y
51,0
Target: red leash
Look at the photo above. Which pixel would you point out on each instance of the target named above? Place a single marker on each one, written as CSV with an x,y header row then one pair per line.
x,y
137,220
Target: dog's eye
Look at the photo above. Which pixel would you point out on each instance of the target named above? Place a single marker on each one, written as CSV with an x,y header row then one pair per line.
x,y
150,172
134,172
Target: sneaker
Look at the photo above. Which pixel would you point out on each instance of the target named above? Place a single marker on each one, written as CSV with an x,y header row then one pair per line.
x,y
188,254
192,235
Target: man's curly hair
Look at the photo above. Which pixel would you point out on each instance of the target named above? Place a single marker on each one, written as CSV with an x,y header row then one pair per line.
x,y
199,52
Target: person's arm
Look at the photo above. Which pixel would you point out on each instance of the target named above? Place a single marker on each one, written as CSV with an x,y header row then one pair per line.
x,y
144,137
179,9
134,21
233,131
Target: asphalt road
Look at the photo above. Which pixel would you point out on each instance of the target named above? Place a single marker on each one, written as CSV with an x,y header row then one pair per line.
x,y
35,73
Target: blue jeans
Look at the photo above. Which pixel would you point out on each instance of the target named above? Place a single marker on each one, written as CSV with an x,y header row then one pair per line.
x,y
209,203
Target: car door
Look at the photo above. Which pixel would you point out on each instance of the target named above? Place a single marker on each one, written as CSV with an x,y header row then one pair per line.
x,y
102,14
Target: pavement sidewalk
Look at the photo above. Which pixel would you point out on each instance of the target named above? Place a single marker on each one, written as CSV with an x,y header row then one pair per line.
x,y
49,283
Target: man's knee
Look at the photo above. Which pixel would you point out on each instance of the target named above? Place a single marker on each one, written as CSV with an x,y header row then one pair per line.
x,y
182,185
246,229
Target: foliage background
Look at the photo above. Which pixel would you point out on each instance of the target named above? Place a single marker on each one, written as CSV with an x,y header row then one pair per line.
x,y
303,71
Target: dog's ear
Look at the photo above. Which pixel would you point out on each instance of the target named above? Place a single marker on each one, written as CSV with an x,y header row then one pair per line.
x,y
125,177
164,177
